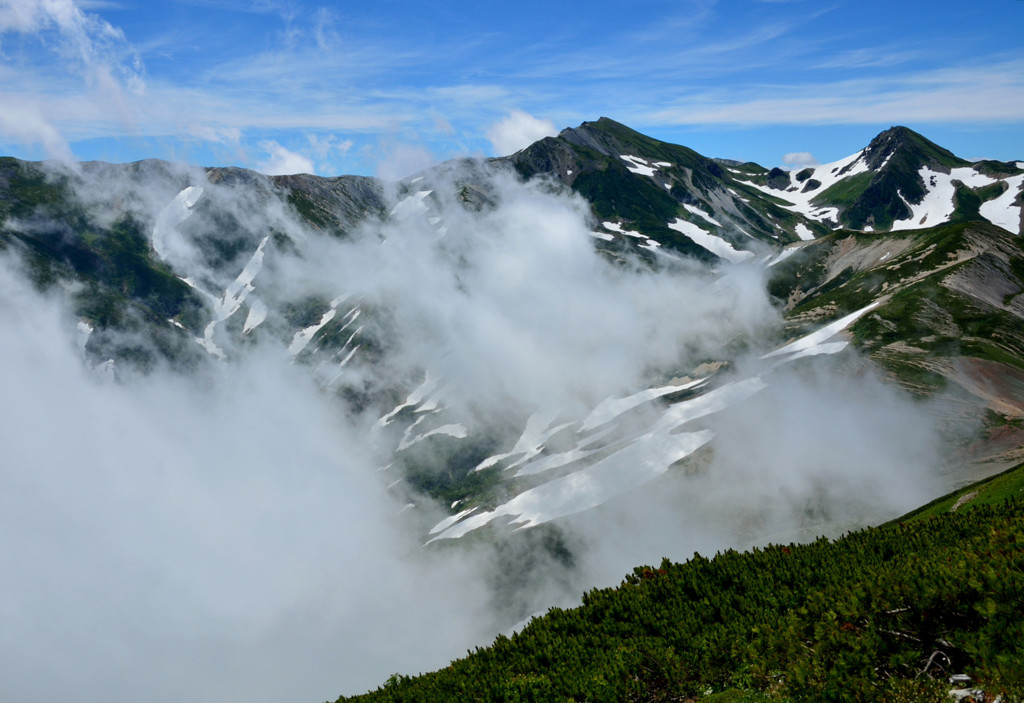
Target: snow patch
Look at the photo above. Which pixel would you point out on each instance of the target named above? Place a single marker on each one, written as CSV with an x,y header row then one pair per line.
x,y
176,212
616,227
697,211
611,408
84,332
819,337
303,336
937,205
804,232
716,245
1002,211
257,314
411,205
453,430
449,521
415,398
826,174
643,167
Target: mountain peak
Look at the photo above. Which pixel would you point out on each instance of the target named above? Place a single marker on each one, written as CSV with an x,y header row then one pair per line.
x,y
605,136
911,148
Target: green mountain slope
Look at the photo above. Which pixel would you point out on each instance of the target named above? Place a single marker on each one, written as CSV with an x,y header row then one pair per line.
x,y
884,614
880,196
949,316
117,284
644,184
901,180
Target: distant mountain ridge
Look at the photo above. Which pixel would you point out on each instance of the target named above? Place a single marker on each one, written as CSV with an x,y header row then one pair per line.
x,y
899,180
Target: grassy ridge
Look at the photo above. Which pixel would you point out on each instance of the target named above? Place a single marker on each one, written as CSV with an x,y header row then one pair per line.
x,y
882,614
992,490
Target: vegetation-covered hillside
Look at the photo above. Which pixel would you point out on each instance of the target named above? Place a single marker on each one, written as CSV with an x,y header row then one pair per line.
x,y
890,613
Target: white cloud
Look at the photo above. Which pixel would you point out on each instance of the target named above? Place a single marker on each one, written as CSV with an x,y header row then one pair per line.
x,y
26,123
799,158
518,130
202,540
325,146
982,93
87,44
399,160
282,161
217,135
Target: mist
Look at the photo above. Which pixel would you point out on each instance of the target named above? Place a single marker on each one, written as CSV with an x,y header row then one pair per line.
x,y
238,531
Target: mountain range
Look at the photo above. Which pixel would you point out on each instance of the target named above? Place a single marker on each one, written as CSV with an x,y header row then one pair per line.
x,y
528,340
929,240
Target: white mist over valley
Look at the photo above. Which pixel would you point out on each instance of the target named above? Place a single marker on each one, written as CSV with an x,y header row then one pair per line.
x,y
239,520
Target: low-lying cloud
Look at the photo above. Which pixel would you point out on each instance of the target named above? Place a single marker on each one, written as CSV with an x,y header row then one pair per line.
x,y
229,534
218,538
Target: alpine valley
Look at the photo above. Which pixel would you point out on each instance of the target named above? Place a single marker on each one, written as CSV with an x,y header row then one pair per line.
x,y
600,338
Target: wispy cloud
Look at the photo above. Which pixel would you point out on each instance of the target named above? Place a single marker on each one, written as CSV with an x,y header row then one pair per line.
x,y
260,69
989,93
26,122
84,44
874,57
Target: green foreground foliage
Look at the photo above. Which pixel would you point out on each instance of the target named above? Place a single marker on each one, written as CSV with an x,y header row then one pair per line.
x,y
888,613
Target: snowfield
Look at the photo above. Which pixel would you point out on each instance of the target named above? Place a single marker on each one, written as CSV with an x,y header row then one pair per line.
x,y
828,175
937,205
1002,211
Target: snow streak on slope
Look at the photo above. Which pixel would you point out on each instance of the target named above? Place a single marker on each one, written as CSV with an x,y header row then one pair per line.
x,y
814,340
643,167
639,457
231,300
539,429
164,231
611,408
643,461
701,213
781,256
716,245
304,336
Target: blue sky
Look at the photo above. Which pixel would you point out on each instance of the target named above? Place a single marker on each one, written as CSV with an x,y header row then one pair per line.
x,y
385,88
